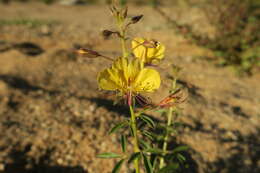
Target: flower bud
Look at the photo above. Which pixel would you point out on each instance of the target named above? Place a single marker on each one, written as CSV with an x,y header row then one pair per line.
x,y
173,99
106,34
88,53
136,19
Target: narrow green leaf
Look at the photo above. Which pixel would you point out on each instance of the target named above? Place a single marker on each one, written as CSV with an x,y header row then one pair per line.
x,y
161,110
133,157
147,164
181,158
148,120
117,167
169,168
180,148
144,144
171,129
117,127
154,150
154,162
148,135
176,124
123,143
159,138
108,155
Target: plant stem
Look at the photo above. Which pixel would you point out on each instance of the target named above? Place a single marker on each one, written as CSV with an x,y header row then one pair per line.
x,y
169,121
122,39
134,129
165,139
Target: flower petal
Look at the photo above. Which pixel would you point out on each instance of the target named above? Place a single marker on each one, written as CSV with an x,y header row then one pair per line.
x,y
108,80
160,48
138,49
148,50
129,75
148,80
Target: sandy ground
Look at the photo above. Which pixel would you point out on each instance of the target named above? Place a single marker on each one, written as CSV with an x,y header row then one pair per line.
x,y
53,118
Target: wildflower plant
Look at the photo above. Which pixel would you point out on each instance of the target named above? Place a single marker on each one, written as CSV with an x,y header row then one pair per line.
x,y
130,76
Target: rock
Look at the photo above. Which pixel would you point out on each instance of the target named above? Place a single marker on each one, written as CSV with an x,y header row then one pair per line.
x,y
60,161
45,30
92,108
2,167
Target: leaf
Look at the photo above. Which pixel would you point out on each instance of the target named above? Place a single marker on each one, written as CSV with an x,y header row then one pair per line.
x,y
171,130
148,134
123,143
169,168
131,130
118,166
148,120
133,157
154,150
154,161
147,164
117,127
108,155
180,148
176,124
161,110
160,138
181,158
144,144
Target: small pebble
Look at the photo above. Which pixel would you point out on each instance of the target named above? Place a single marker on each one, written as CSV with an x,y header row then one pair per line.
x,y
2,167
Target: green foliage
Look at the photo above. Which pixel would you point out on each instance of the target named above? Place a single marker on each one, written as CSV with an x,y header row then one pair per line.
x,y
26,22
149,121
180,149
122,2
147,164
148,134
117,167
118,126
47,1
144,144
155,151
171,168
133,157
109,155
237,39
181,158
123,143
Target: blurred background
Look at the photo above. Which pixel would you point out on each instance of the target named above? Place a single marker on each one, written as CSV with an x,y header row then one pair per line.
x,y
53,118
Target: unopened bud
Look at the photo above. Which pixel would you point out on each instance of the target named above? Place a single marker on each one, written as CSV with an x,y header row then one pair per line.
x,y
88,53
173,99
136,19
106,34
142,100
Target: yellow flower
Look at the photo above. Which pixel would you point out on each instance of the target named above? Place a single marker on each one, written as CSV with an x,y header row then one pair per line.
x,y
128,76
149,51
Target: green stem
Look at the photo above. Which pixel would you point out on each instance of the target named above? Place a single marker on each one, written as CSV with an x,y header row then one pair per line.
x,y
122,40
165,140
134,129
169,121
